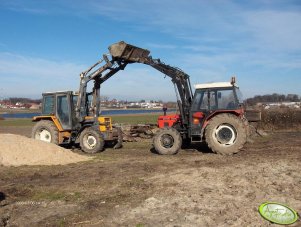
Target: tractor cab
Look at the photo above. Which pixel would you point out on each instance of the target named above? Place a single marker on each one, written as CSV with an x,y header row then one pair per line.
x,y
210,100
60,105
216,96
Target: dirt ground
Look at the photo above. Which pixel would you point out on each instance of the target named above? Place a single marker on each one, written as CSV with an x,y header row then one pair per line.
x,y
135,187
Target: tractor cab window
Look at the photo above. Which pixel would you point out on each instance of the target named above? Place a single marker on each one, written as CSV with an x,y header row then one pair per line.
x,y
209,100
63,111
227,100
74,100
204,100
214,99
198,97
48,105
89,104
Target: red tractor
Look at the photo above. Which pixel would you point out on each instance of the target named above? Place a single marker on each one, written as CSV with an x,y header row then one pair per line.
x,y
214,113
216,116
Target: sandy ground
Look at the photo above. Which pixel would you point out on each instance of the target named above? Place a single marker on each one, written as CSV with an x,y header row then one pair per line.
x,y
17,150
135,187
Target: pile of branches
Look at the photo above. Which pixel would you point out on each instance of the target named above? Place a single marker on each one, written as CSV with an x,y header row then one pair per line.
x,y
280,119
132,133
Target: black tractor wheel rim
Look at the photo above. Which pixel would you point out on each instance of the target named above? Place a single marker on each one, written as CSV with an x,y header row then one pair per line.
x,y
167,141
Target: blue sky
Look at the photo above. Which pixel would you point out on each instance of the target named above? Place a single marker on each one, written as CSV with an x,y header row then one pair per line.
x,y
44,45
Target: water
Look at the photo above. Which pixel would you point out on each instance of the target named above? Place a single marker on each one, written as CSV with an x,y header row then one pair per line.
x,y
103,112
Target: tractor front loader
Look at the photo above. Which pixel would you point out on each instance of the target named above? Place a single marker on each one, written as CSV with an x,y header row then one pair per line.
x,y
213,114
74,118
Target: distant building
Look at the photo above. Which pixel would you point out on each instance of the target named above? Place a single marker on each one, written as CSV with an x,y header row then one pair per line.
x,y
34,106
275,105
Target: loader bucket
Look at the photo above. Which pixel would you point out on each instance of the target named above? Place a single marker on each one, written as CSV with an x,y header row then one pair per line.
x,y
127,52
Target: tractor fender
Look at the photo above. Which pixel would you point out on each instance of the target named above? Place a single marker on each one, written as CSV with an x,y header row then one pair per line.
x,y
238,113
63,135
54,119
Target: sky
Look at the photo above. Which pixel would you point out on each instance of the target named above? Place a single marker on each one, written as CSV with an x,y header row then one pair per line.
x,y
44,45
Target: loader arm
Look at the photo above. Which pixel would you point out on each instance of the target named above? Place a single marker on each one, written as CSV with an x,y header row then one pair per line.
x,y
181,80
125,52
122,54
99,74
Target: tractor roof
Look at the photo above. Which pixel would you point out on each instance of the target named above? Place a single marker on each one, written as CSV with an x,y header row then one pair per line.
x,y
56,92
214,85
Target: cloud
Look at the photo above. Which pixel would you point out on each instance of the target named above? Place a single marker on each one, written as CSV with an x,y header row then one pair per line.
x,y
139,81
34,67
24,74
161,46
30,7
275,30
272,25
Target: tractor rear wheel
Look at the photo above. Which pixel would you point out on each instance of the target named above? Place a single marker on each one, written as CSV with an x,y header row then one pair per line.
x,y
226,134
91,140
167,141
46,131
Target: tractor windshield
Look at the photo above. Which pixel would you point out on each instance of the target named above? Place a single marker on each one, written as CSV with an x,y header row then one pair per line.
x,y
48,104
239,95
215,99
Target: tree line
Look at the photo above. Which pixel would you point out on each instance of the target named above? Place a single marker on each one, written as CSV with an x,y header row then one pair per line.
x,y
272,98
15,100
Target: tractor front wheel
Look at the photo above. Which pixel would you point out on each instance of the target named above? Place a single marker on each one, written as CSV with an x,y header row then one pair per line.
x,y
226,134
91,140
46,131
167,141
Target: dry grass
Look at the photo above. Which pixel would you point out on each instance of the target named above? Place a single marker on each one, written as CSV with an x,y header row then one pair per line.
x,y
281,119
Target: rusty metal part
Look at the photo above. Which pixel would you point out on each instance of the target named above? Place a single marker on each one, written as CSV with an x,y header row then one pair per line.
x,y
127,52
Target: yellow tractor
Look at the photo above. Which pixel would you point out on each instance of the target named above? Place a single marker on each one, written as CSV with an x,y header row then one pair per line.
x,y
74,118
59,125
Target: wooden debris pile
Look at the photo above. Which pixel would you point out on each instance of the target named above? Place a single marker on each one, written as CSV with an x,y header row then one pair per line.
x,y
133,133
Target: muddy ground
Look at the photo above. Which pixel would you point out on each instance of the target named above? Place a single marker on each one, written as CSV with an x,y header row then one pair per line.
x,y
135,187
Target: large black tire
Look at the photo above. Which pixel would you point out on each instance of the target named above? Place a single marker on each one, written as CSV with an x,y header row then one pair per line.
x,y
167,141
91,140
226,134
46,131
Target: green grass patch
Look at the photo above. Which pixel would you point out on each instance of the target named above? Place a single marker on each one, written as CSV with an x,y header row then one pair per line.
x,y
16,122
121,119
140,225
136,119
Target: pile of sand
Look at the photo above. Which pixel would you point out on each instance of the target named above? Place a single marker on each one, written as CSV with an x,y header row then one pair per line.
x,y
16,150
